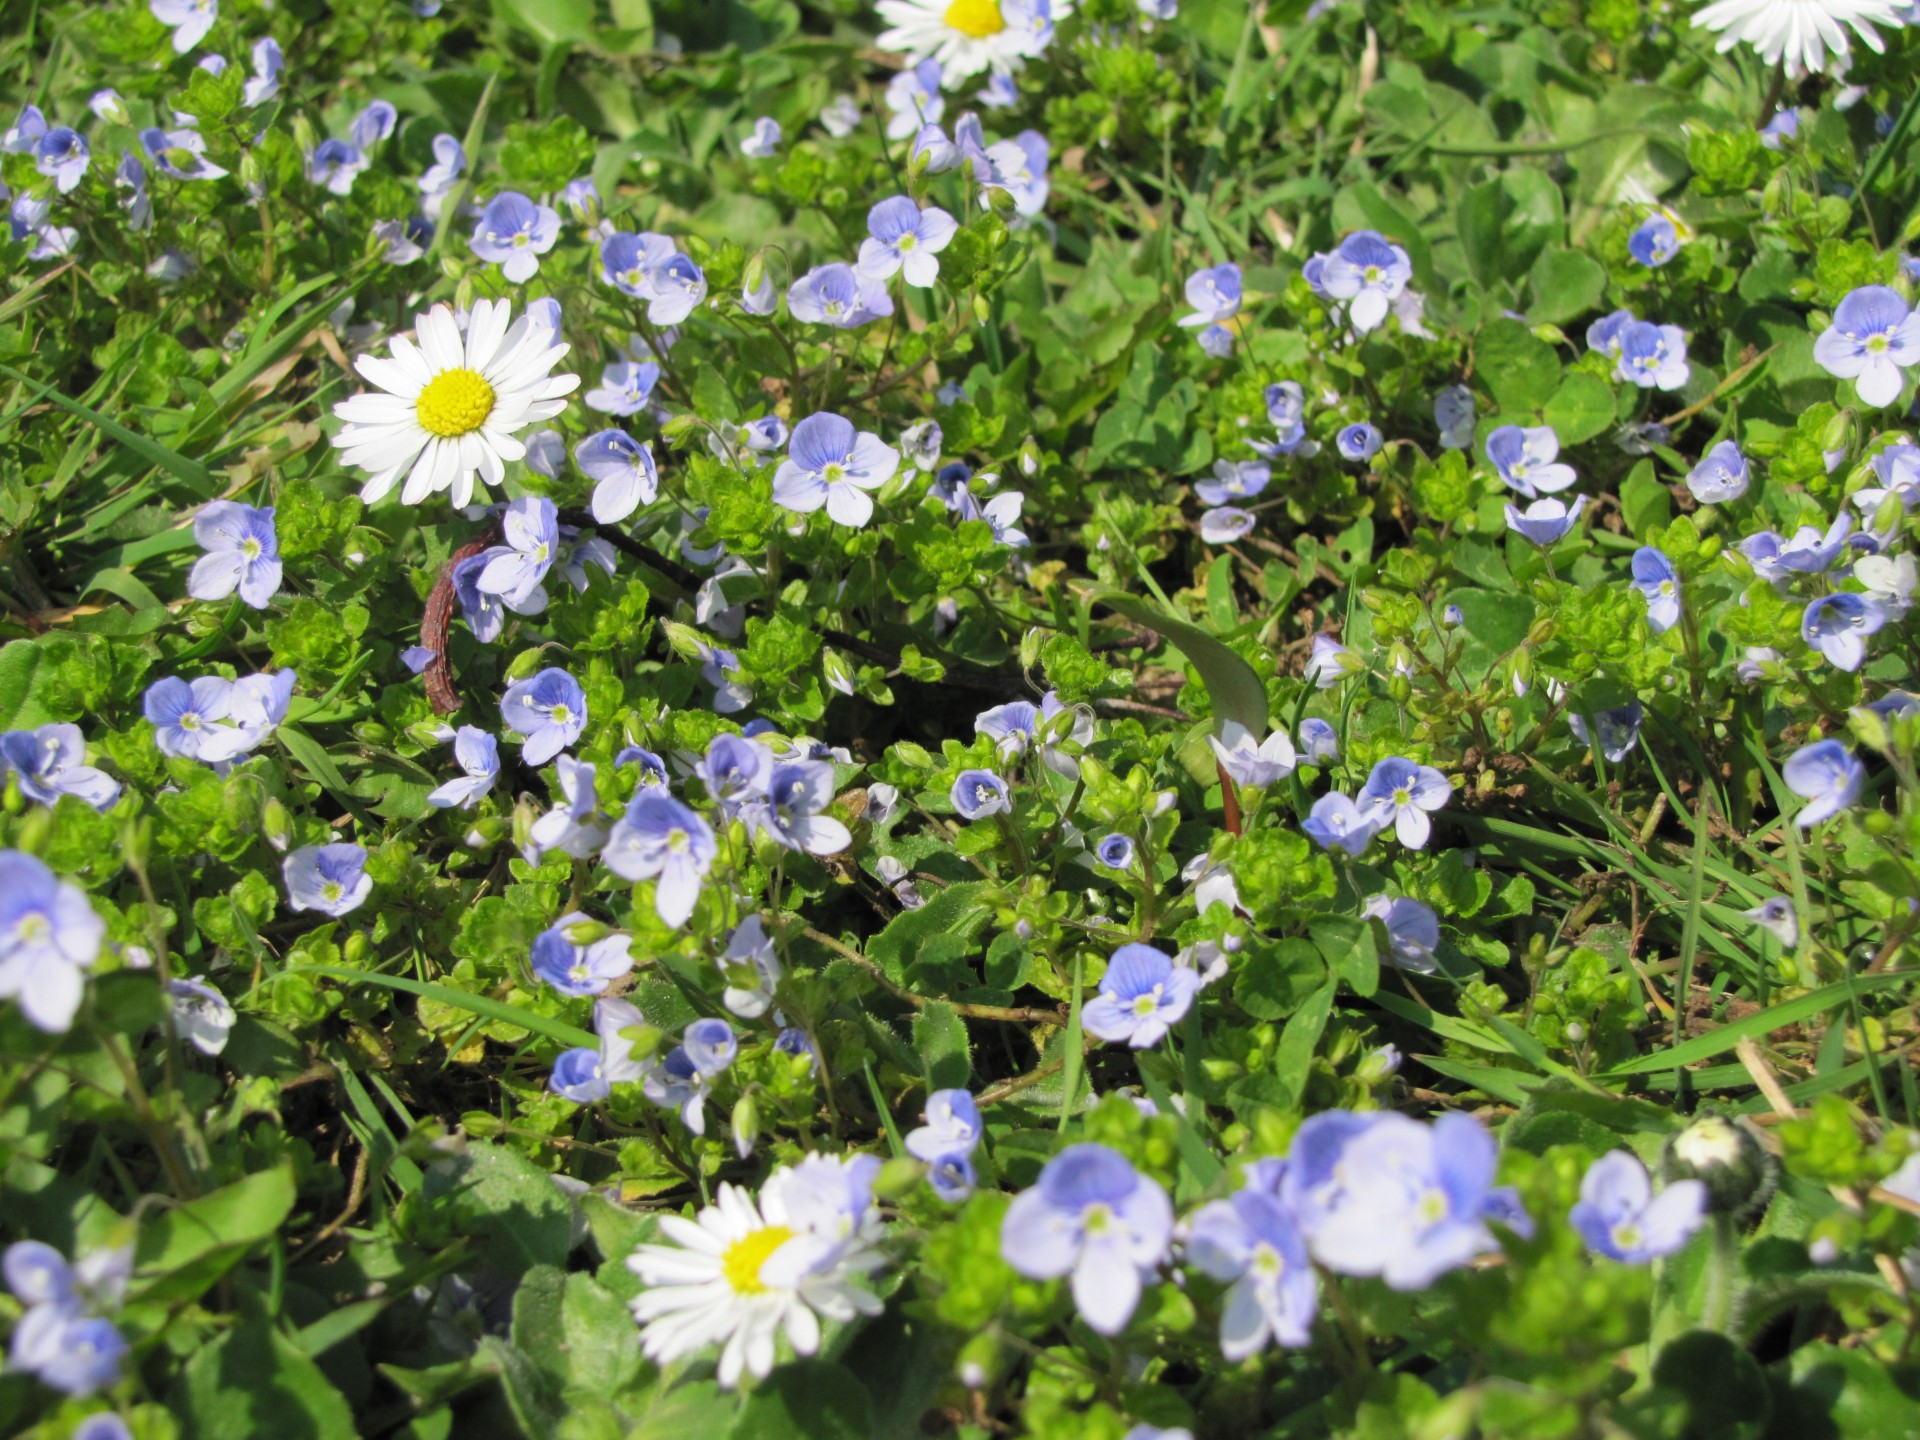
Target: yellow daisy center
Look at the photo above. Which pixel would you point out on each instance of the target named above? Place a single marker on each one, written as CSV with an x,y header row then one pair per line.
x,y
741,1261
455,402
976,18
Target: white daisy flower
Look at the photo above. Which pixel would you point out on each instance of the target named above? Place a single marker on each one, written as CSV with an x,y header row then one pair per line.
x,y
969,36
452,405
1802,33
740,1273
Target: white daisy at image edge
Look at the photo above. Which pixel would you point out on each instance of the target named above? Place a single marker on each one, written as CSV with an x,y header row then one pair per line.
x,y
451,405
965,36
1802,33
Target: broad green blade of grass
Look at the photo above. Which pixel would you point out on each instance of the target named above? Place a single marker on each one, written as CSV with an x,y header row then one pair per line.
x,y
481,1005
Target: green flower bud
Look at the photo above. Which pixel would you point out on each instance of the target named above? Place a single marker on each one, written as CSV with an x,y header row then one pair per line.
x,y
1723,1155
587,932
276,824
898,1177
482,1123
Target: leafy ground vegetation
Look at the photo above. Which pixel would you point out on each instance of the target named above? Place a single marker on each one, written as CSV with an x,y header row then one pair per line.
x,y
1123,719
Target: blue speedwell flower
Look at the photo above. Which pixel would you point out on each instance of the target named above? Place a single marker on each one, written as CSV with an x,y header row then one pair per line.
x,y
579,969
1096,1218
61,1339
1142,995
1381,1194
1826,775
1453,415
183,715
268,62
1286,406
1656,241
1225,524
1413,931
838,295
1255,764
830,464
1659,585
1874,337
1359,441
1252,1242
1720,476
1368,272
626,386
1115,852
531,528
1214,295
797,793
1652,356
1233,480
736,772
1330,662
49,938
1401,793
180,154
62,156
1319,742
1837,626
1617,731
50,762
477,753
764,142
443,176
573,825
906,240
662,840
332,879
550,710
1527,459
1620,1217
1545,522
977,794
945,1144
190,20
513,233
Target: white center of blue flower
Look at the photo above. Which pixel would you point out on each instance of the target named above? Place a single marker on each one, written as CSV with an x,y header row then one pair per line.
x,y
332,890
1267,1262
1145,1005
1097,1219
1402,796
1431,1208
250,548
561,714
678,840
834,473
1876,344
906,242
1626,1236
32,929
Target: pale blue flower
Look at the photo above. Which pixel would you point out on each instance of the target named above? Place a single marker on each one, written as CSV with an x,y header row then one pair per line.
x,y
268,62
62,155
1653,356
830,464
1096,1218
932,153
1837,626
1545,522
840,116
953,1124
1413,931
660,839
180,154
573,826
1019,167
579,969
132,177
443,176
1401,792
1115,852
797,793
677,1083
256,704
67,1350
513,232
1019,725
1527,459
674,290
913,99
1659,585
1319,742
190,20
1214,295
1216,340
764,142
1359,441
838,295
626,386
183,715
1255,764
1384,1195
1874,337
1225,524
1369,272
1656,241
905,239
1233,480
550,710
1720,476
402,239
1286,406
243,553
1620,1217
977,794
478,754
1454,415
736,772
531,528
336,164
50,762
1784,125
332,879
25,134
373,125
1826,775
577,1076
1779,919
1617,730
49,937
1604,335
1253,1243
1330,662
1142,995
761,299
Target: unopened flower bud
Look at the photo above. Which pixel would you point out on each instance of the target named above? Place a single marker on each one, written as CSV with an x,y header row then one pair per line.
x,y
1723,1155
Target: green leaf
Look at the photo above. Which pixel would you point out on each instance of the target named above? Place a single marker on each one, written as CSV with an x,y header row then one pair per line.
x,y
1272,985
1294,1054
1581,408
186,1249
1644,501
499,1196
1566,285
1517,366
549,21
202,480
1351,949
26,676
1232,686
253,1381
816,1401
576,1331
1506,222
569,1035
958,913
941,1038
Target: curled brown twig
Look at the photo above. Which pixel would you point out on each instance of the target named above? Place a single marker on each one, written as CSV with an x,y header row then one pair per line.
x,y
437,619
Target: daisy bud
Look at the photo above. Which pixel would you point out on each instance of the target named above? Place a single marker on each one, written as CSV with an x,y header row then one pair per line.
x,y
1723,1155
